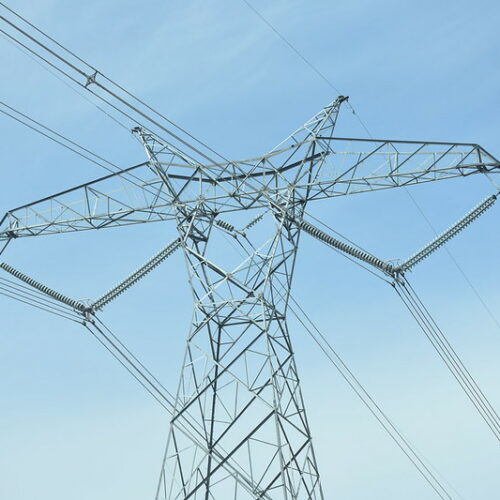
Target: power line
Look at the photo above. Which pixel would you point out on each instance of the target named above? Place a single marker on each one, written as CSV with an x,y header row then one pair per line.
x,y
33,304
305,60
76,148
485,400
37,297
78,58
452,361
370,403
44,305
62,80
89,77
292,47
64,142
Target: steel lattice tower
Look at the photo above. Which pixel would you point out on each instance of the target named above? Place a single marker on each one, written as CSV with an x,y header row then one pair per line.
x,y
238,425
239,377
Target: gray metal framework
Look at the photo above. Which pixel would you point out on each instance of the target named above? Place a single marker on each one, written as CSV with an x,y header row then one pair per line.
x,y
239,427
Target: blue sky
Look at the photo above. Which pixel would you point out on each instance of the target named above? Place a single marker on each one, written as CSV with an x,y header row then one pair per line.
x,y
72,423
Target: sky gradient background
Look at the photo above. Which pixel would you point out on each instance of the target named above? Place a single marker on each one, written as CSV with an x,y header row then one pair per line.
x,y
73,424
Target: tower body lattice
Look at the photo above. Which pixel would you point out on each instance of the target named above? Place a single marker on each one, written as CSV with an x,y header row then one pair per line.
x,y
238,426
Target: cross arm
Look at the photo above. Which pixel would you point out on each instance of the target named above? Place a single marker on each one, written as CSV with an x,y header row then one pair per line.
x,y
352,166
314,163
129,196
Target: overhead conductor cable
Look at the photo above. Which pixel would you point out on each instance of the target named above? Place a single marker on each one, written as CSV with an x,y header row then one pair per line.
x,y
448,355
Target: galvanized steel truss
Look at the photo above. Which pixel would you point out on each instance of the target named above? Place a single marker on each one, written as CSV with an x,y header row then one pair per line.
x,y
239,427
239,386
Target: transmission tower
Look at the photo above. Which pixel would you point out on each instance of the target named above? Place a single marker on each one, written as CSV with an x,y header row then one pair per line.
x,y
238,426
